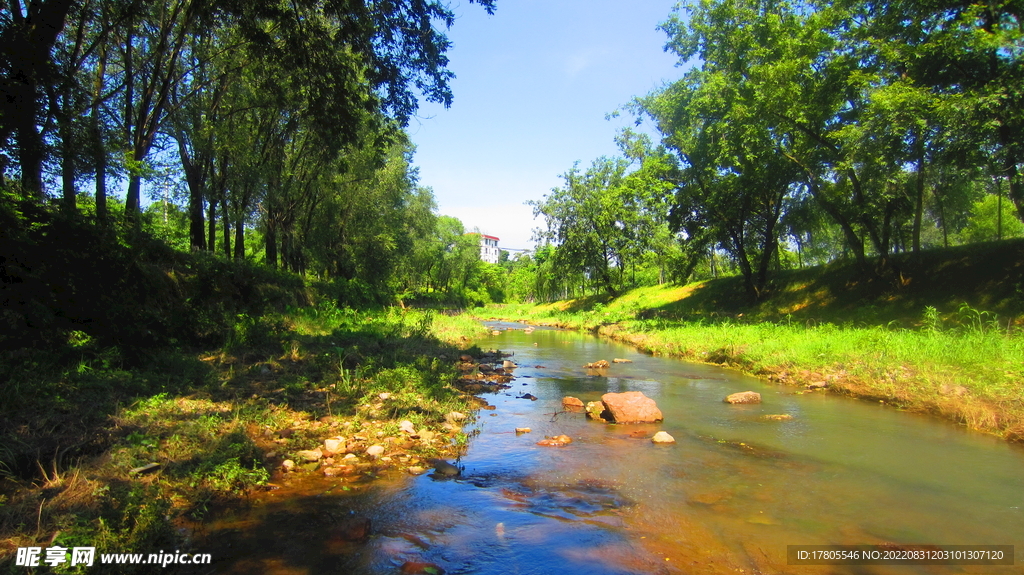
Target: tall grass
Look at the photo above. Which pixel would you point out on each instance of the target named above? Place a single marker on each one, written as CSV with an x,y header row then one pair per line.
x,y
966,365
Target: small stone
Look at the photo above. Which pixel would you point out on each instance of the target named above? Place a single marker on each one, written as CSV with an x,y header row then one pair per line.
x,y
384,395
420,568
777,417
334,445
597,411
416,470
556,441
465,358
426,435
817,385
620,360
520,430
310,454
455,416
407,426
442,467
570,401
375,450
663,437
350,528
744,397
351,456
340,470
599,364
508,364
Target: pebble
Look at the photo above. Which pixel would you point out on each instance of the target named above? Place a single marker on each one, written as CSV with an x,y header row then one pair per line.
x,y
662,437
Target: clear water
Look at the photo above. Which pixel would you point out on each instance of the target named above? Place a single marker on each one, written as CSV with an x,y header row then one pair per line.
x,y
727,497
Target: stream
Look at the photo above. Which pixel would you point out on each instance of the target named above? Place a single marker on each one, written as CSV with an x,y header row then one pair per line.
x,y
728,497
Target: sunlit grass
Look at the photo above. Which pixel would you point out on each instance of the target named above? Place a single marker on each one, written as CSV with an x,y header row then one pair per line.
x,y
966,364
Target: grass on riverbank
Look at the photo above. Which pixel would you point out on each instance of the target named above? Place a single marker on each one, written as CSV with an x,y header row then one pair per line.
x,y
217,422
913,344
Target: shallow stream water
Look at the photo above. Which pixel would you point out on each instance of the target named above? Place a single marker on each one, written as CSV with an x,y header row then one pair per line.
x,y
727,497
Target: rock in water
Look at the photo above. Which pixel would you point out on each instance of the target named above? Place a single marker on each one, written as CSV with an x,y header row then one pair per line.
x,y
420,568
597,411
599,364
556,441
310,454
744,397
442,467
662,437
375,450
777,417
631,407
572,403
620,360
353,528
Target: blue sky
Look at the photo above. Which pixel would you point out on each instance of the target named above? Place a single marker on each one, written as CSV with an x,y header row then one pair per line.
x,y
534,84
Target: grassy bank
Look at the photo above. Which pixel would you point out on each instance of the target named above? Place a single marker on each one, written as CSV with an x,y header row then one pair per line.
x,y
218,423
946,357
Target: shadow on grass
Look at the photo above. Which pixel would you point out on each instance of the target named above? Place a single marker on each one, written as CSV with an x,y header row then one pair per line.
x,y
987,276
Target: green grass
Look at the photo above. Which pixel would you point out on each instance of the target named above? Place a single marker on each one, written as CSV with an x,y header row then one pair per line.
x,y
75,423
917,340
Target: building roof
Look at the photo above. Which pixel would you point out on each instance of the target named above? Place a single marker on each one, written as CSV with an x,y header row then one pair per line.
x,y
490,237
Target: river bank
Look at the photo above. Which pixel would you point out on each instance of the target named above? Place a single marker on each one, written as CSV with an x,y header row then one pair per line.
x,y
970,373
189,435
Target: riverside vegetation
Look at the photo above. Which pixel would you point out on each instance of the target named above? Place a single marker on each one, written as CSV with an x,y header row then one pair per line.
x,y
920,342
219,422
217,371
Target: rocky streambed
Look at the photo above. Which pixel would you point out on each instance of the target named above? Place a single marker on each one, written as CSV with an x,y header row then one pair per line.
x,y
740,483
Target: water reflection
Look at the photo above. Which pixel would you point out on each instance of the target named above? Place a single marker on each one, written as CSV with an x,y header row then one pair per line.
x,y
729,495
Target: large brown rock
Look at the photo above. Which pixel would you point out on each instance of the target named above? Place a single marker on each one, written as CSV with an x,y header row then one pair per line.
x,y
744,397
631,407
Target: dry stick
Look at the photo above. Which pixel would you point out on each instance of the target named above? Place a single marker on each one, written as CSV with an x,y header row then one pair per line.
x,y
39,517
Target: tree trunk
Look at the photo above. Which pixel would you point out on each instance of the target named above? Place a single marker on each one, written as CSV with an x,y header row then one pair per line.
x,y
131,204
227,229
918,203
239,240
270,242
30,33
70,204
30,149
100,158
213,225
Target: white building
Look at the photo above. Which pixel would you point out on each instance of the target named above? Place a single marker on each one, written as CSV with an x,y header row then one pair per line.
x,y
489,251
